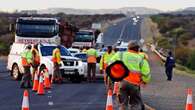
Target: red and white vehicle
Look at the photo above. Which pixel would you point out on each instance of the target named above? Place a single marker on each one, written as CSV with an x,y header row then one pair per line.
x,y
37,30
84,38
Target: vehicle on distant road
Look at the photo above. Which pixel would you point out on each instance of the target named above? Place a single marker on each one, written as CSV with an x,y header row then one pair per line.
x,y
43,30
84,38
71,67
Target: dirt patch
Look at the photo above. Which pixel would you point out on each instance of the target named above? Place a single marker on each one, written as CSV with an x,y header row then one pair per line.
x,y
191,43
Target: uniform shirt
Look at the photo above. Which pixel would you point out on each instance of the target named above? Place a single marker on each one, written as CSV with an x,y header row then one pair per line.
x,y
135,63
91,55
105,59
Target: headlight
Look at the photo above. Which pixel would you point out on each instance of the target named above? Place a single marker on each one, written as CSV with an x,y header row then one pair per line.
x,y
80,63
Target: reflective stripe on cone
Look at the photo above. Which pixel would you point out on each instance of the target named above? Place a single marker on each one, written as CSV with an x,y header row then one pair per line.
x,y
189,100
25,101
109,104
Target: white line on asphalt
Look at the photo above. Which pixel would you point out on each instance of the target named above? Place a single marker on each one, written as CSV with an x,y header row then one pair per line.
x,y
50,103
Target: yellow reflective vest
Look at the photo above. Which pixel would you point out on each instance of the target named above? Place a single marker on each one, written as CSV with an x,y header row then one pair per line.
x,y
105,59
91,55
56,56
138,66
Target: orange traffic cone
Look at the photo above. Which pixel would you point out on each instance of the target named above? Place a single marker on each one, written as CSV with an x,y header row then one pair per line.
x,y
109,105
25,101
47,83
189,100
40,90
116,88
35,83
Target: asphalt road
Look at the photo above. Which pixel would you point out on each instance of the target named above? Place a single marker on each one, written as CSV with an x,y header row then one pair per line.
x,y
124,30
68,96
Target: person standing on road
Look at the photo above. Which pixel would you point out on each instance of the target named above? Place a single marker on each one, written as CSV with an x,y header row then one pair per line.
x,y
26,63
35,60
91,64
129,92
56,58
169,65
105,59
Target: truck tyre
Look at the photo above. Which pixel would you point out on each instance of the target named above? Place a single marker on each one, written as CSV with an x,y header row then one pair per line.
x,y
15,72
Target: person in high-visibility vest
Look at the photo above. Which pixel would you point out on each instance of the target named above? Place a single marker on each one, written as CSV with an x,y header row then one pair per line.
x,y
26,60
56,58
105,59
91,64
139,74
35,60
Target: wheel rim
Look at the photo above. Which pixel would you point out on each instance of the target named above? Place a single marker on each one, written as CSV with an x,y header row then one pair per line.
x,y
15,72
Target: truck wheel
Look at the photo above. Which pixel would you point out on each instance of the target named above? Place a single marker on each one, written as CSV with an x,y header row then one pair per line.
x,y
15,72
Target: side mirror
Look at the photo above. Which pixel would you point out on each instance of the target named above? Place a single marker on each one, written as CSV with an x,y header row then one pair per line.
x,y
12,28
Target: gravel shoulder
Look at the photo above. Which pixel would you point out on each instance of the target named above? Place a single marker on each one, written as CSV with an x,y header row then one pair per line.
x,y
165,95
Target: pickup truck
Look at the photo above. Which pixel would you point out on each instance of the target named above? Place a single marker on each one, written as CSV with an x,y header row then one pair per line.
x,y
71,67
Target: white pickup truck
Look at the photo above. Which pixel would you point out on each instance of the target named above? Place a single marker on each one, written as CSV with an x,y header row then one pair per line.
x,y
71,67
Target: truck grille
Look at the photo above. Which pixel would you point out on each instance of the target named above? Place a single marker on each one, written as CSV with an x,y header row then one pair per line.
x,y
70,63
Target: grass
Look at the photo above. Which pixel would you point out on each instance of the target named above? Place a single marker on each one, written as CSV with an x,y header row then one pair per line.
x,y
184,71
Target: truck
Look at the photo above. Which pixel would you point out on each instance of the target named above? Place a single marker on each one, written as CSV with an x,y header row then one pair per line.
x,y
84,38
44,30
71,67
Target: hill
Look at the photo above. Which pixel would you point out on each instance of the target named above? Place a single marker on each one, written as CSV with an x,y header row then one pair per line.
x,y
177,34
125,10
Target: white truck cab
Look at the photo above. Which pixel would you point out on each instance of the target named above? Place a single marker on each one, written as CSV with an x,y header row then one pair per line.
x,y
71,67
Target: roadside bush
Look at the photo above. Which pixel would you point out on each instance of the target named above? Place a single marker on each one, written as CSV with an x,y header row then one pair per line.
x,y
191,60
182,55
5,42
164,43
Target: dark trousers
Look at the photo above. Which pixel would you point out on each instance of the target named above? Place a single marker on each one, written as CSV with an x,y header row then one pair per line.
x,y
91,71
169,73
130,97
26,78
35,70
57,76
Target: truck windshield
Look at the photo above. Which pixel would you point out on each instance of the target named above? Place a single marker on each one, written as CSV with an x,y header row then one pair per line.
x,y
35,30
48,50
84,37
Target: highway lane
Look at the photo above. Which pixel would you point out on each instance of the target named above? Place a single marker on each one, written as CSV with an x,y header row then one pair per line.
x,y
68,96
124,30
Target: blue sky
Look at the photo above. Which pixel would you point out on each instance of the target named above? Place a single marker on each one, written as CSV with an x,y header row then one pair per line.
x,y
165,5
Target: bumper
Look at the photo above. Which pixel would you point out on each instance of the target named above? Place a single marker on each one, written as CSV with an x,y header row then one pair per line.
x,y
72,71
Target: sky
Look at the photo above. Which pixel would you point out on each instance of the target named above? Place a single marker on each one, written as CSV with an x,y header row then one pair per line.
x,y
164,5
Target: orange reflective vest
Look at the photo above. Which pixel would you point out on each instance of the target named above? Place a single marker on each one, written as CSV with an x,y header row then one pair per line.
x,y
134,78
36,57
91,55
24,62
56,57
